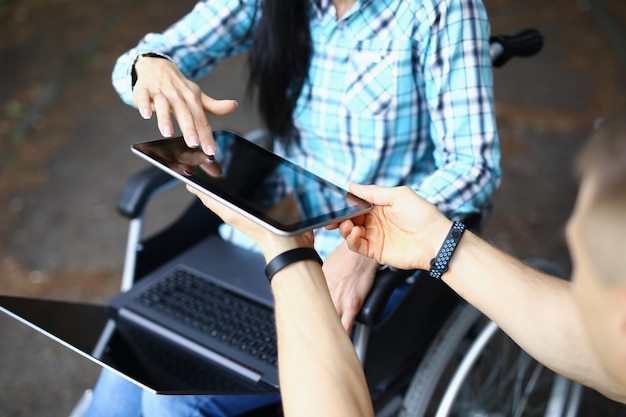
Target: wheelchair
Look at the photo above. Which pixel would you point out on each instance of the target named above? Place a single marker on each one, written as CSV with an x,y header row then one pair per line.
x,y
472,368
396,352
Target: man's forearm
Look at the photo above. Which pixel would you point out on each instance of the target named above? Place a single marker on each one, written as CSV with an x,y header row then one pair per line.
x,y
320,374
536,310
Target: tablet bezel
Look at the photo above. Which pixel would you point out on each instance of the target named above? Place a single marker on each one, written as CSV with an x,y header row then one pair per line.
x,y
354,205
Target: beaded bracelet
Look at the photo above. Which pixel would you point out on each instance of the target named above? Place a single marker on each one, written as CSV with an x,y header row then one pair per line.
x,y
289,257
439,264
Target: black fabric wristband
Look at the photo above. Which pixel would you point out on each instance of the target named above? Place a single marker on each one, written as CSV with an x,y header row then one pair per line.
x,y
439,264
289,257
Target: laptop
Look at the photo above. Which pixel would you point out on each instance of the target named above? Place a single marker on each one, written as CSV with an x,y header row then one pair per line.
x,y
200,324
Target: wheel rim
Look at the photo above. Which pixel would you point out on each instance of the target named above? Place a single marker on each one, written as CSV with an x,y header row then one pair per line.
x,y
496,379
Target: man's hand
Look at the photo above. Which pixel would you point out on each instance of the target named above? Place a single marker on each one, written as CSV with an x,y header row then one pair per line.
x,y
162,88
350,277
402,230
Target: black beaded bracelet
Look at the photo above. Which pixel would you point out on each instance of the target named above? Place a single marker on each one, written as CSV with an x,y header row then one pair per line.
x,y
439,264
289,257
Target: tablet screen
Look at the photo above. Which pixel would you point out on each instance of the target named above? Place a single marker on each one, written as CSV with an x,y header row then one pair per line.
x,y
263,186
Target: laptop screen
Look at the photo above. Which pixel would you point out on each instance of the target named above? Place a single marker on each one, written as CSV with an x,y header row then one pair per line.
x,y
141,357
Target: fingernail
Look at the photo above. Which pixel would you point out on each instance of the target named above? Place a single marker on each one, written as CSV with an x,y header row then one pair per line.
x,y
167,131
145,113
236,103
209,150
193,141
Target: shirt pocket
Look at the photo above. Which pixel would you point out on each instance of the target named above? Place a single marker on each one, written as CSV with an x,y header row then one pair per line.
x,y
372,77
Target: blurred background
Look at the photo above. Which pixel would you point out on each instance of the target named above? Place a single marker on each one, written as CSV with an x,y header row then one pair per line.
x,y
64,156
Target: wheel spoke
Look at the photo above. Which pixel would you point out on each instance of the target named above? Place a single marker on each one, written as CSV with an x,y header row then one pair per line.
x,y
483,373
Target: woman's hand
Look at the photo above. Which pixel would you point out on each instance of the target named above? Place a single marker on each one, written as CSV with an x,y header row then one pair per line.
x,y
161,87
270,243
350,277
403,230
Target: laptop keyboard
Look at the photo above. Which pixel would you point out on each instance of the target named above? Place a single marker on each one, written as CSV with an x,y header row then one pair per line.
x,y
182,373
215,312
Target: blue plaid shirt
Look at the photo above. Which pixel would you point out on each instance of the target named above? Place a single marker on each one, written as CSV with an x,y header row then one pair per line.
x,y
399,92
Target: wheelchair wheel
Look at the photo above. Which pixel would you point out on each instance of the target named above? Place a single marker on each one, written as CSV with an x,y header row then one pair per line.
x,y
473,369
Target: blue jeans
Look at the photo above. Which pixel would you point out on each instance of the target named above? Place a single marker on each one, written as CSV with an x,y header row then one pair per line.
x,y
114,396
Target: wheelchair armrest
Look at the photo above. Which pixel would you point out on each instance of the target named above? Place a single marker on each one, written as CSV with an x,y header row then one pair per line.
x,y
385,282
140,188
194,223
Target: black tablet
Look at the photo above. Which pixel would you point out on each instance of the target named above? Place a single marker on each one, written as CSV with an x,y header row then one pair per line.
x,y
276,193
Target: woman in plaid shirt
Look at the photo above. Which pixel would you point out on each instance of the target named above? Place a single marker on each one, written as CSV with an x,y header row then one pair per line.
x,y
395,92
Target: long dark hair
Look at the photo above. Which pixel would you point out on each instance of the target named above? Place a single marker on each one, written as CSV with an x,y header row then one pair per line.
x,y
279,64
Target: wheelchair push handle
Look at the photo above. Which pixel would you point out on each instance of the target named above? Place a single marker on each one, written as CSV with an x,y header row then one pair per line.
x,y
525,43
